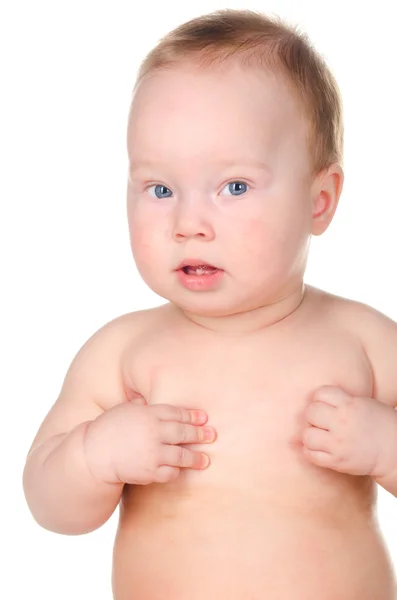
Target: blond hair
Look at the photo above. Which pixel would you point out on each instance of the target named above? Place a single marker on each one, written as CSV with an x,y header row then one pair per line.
x,y
257,40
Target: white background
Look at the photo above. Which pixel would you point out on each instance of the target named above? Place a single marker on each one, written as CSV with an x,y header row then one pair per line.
x,y
67,72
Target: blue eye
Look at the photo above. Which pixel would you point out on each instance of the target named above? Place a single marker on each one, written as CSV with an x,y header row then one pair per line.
x,y
238,183
159,186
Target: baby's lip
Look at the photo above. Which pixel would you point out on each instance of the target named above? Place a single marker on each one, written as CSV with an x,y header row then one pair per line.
x,y
195,262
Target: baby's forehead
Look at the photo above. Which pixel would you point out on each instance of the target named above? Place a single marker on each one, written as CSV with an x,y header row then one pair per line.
x,y
217,100
196,92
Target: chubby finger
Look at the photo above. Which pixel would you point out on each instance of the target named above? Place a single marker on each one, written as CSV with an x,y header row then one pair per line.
x,y
331,394
316,439
178,456
168,412
321,415
172,432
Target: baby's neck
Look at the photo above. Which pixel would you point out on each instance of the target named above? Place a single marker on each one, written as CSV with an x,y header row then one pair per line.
x,y
251,321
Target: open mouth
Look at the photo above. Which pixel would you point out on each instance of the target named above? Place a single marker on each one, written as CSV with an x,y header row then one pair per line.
x,y
199,270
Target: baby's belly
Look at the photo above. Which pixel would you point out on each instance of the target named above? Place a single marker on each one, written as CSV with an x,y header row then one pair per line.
x,y
237,544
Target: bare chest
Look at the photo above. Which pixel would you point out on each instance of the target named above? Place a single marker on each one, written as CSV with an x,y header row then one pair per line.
x,y
255,393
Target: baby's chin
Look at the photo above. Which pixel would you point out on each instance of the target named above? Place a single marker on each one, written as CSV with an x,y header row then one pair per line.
x,y
203,303
211,305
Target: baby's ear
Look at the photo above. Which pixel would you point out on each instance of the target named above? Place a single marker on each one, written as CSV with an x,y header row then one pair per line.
x,y
325,194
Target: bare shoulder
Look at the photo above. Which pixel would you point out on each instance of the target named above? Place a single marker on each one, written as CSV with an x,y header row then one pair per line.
x,y
362,319
377,333
102,355
94,382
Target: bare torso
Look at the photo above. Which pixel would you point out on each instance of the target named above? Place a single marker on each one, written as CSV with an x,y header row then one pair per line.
x,y
261,521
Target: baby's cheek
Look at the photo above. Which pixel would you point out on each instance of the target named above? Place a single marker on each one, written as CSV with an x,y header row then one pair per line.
x,y
140,243
258,239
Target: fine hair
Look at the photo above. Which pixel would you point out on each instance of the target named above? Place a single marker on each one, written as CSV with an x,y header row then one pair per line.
x,y
256,40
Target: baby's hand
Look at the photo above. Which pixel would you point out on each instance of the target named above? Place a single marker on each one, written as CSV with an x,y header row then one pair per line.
x,y
136,443
350,434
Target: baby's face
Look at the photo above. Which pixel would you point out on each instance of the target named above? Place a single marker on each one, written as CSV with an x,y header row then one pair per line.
x,y
251,220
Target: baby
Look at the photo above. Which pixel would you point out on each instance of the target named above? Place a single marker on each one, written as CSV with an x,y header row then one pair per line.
x,y
242,427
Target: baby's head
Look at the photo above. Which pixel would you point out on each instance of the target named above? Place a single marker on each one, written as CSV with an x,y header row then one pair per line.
x,y
235,146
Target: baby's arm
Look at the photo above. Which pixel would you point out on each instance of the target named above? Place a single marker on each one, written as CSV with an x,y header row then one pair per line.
x,y
60,491
379,337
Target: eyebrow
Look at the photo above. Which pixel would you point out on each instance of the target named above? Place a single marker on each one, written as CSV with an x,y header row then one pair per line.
x,y
139,164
